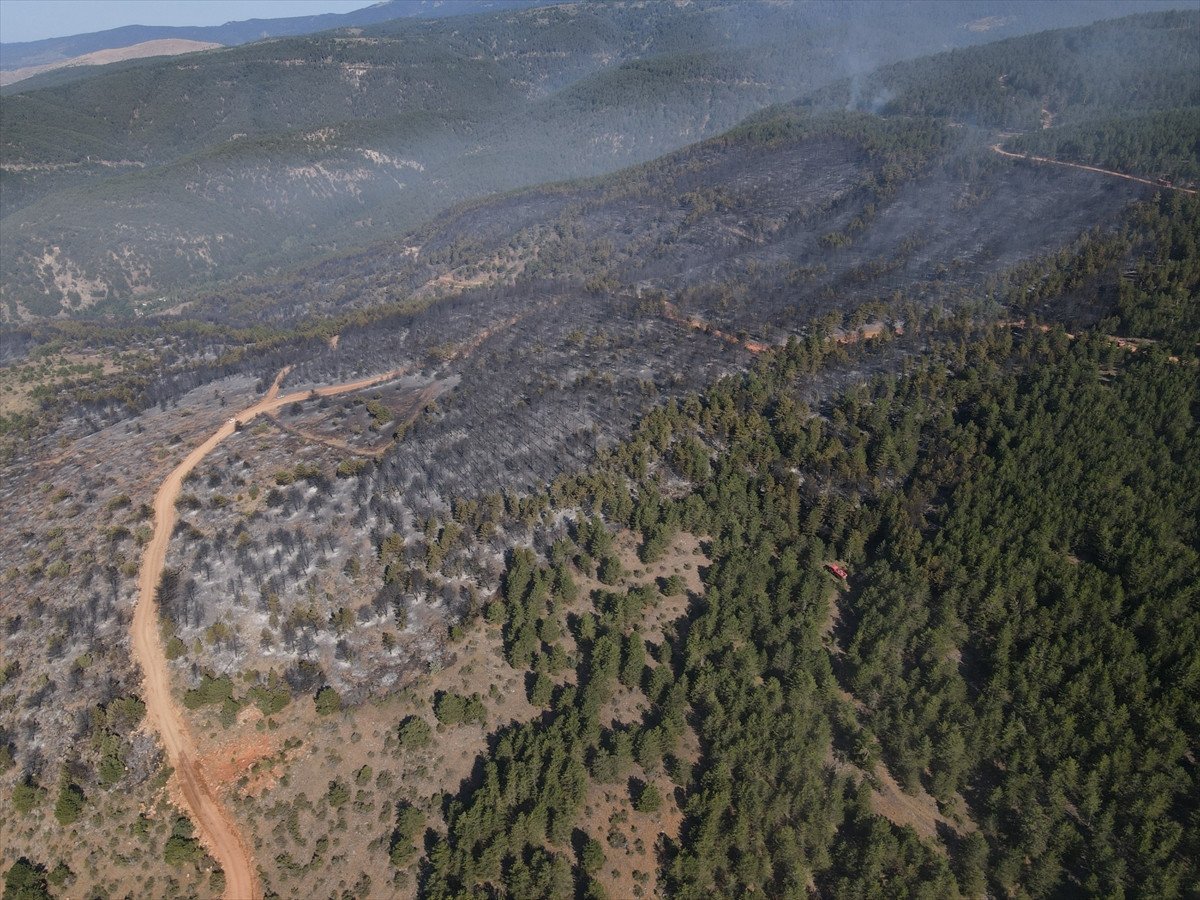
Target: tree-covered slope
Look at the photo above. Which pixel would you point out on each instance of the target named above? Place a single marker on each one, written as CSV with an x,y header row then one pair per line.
x,y
1140,63
1017,636
147,179
643,416
1012,654
1019,515
1164,144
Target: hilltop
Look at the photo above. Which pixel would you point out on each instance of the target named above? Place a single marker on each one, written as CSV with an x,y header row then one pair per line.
x,y
52,53
149,179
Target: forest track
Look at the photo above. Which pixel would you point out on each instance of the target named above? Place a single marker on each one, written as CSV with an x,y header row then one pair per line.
x,y
1029,157
672,314
216,827
424,398
1132,344
333,443
868,332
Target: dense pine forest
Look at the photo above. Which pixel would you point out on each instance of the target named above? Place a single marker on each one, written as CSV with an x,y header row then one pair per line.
x,y
1017,637
1154,145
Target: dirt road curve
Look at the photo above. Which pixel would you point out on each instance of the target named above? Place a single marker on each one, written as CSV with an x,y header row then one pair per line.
x,y
217,829
996,148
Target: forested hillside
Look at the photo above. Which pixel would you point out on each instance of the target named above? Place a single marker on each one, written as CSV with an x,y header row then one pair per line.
x,y
124,190
1154,145
761,232
1061,77
1013,651
809,511
1017,636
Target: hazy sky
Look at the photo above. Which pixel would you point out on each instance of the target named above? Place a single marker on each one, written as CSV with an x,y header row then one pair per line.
x,y
32,20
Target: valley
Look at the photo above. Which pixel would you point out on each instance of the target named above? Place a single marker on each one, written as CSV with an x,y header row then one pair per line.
x,y
603,451
337,145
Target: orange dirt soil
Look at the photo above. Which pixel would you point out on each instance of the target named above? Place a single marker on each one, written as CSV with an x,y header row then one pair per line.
x,y
215,825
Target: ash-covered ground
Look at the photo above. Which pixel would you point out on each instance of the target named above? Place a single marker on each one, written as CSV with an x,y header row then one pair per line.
x,y
541,326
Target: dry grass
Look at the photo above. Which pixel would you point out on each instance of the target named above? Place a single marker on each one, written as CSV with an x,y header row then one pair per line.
x,y
18,382
161,47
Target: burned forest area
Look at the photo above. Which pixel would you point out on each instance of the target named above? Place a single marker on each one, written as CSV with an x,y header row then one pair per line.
x,y
803,504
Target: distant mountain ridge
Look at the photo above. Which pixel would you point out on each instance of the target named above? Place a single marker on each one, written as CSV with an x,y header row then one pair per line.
x,y
146,49
124,189
49,51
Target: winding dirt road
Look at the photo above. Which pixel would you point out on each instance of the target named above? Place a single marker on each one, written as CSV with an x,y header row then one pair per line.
x,y
216,827
1029,157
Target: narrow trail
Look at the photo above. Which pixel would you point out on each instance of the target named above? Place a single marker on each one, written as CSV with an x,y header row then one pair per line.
x,y
1132,344
868,332
672,314
1028,157
333,443
426,396
217,828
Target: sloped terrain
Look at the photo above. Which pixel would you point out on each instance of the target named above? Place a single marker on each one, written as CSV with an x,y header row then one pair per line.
x,y
145,181
542,366
1030,83
160,47
57,51
548,610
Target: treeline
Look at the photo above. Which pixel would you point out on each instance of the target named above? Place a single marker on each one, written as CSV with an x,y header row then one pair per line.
x,y
312,142
1157,299
1154,145
325,134
260,327
1145,62
1019,515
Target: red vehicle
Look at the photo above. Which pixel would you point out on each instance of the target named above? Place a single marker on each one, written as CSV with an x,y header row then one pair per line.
x,y
837,570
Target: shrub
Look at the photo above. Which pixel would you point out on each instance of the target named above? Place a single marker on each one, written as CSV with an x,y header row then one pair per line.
x,y
60,874
272,697
124,714
210,691
182,847
112,769
673,586
414,732
351,468
328,701
649,800
339,794
71,801
26,796
451,709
